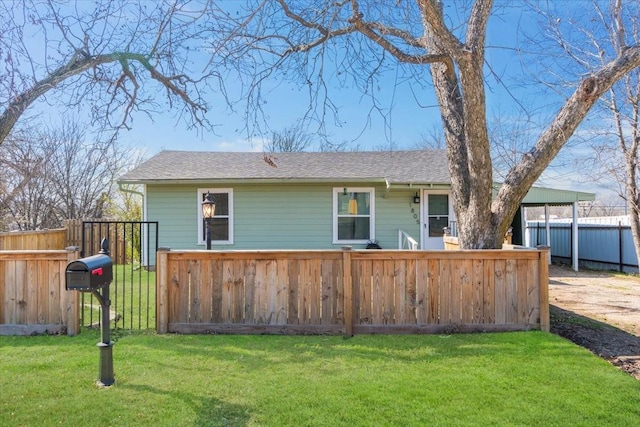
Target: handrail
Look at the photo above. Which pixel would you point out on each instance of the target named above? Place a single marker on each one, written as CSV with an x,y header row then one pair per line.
x,y
406,242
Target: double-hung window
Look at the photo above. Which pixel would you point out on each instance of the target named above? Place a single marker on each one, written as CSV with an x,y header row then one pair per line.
x,y
222,223
353,215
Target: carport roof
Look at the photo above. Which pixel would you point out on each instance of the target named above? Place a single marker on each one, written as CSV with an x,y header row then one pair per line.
x,y
539,196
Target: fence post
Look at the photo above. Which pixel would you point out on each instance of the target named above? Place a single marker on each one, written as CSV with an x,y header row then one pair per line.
x,y
69,301
348,291
162,305
543,287
620,248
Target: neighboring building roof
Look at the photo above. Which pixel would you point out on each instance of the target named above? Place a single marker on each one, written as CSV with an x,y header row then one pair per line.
x,y
394,167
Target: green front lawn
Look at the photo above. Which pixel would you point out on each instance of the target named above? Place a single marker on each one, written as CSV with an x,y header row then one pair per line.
x,y
525,378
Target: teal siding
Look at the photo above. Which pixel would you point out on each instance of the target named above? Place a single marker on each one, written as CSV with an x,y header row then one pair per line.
x,y
283,217
276,216
175,209
394,212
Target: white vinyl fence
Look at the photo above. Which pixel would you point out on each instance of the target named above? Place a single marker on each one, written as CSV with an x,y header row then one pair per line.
x,y
600,246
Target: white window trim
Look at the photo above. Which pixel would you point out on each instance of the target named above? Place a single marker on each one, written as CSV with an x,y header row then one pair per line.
x,y
200,195
372,210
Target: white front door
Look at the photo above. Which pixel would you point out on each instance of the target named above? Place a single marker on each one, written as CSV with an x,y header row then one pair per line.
x,y
437,213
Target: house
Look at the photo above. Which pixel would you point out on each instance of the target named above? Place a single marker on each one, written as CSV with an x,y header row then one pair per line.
x,y
305,200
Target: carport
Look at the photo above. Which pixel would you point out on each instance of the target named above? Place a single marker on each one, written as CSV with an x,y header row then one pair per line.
x,y
547,197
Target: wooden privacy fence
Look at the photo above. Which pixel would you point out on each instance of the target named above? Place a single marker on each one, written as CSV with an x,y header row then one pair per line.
x,y
33,298
32,240
93,232
352,292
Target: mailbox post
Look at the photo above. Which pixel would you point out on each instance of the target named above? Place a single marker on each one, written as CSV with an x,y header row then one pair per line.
x,y
92,274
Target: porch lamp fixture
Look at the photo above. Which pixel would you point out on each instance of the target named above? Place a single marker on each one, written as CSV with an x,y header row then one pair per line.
x,y
416,198
208,210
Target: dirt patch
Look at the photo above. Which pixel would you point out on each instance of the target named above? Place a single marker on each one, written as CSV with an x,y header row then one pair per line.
x,y
599,311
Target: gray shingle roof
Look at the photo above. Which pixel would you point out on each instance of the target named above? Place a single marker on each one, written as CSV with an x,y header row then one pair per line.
x,y
428,166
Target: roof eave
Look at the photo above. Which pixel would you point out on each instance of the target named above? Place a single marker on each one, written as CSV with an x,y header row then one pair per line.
x,y
250,181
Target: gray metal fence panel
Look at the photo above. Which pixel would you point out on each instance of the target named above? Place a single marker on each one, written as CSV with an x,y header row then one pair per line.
x,y
599,246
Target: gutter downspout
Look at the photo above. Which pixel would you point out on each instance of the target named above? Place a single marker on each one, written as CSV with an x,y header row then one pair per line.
x,y
141,194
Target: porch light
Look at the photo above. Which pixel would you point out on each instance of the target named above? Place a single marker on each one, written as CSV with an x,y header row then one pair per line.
x,y
208,210
416,198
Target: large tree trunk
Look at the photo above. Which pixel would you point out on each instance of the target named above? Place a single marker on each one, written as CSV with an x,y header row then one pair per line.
x,y
462,102
630,152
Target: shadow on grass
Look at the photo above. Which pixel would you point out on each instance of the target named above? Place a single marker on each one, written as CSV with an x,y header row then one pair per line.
x,y
274,350
209,411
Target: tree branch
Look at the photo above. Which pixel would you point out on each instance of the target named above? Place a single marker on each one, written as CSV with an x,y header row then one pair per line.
x,y
522,176
81,62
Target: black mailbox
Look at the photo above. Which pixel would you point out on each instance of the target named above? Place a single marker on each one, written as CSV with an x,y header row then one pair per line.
x,y
87,274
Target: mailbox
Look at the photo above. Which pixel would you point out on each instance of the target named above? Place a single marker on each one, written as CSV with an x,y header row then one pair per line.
x,y
87,274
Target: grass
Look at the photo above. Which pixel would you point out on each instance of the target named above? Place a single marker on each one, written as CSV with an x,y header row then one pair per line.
x,y
132,294
522,378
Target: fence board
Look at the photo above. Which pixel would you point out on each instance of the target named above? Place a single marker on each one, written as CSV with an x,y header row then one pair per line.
x,y
42,292
260,294
315,293
31,299
400,286
20,303
511,291
477,285
349,302
500,282
340,300
328,297
293,273
522,277
176,306
282,300
365,292
488,292
195,292
249,287
237,291
230,282
446,293
467,295
432,296
389,312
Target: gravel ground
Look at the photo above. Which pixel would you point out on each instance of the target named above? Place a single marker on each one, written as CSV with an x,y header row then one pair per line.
x,y
600,311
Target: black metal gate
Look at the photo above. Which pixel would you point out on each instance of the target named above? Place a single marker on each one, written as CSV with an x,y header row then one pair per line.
x,y
132,246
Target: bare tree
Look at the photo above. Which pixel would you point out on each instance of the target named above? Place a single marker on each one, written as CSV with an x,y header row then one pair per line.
x,y
356,40
113,57
56,174
25,200
289,139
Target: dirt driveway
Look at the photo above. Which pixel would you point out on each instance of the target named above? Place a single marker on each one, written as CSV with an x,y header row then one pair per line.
x,y
600,311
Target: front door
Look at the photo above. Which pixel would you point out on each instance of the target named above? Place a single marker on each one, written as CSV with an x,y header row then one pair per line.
x,y
436,215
